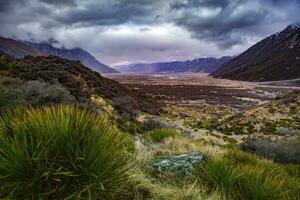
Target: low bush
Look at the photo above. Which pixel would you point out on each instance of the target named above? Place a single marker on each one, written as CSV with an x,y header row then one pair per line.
x,y
61,152
5,62
128,126
127,105
36,93
279,151
154,123
158,135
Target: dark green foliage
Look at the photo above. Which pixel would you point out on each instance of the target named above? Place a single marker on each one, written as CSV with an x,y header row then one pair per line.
x,y
5,62
270,128
131,127
59,153
293,170
158,135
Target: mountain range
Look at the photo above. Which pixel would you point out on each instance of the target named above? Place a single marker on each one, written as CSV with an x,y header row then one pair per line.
x,y
206,65
19,49
276,57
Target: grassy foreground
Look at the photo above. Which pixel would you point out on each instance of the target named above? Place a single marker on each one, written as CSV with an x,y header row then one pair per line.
x,y
60,152
67,152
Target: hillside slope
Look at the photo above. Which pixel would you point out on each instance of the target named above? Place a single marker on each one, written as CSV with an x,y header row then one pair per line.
x,y
276,57
206,65
81,82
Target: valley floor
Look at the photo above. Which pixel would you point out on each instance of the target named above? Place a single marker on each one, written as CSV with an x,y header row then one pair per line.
x,y
193,88
219,111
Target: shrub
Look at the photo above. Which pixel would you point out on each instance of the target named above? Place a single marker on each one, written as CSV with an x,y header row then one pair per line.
x,y
40,93
219,175
5,62
60,152
127,105
128,126
279,151
158,135
36,93
154,123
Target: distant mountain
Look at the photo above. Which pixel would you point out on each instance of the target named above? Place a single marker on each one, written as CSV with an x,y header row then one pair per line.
x,y
19,49
207,65
276,57
74,54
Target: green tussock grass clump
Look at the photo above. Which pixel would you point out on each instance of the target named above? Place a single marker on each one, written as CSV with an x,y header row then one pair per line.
x,y
60,152
219,175
239,157
159,135
245,176
261,182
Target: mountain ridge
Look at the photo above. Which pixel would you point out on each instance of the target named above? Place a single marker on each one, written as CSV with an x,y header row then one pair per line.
x,y
74,54
20,49
207,65
274,58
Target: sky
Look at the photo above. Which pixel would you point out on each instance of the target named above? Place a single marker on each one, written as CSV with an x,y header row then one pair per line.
x,y
119,32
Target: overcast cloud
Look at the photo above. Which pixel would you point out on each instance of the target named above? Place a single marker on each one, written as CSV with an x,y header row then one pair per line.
x,y
125,31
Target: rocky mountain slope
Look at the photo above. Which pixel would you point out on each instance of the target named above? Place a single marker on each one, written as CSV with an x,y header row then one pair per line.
x,y
74,54
276,57
19,49
85,85
207,65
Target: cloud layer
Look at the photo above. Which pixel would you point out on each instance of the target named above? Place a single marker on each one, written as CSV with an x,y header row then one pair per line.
x,y
125,31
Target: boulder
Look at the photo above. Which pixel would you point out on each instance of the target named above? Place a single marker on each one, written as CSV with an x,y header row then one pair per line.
x,y
182,164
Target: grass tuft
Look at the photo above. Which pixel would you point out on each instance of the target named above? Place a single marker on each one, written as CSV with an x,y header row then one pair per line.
x,y
159,135
219,175
60,152
261,182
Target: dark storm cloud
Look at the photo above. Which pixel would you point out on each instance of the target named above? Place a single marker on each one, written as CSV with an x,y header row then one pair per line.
x,y
60,2
6,5
178,26
226,22
112,13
